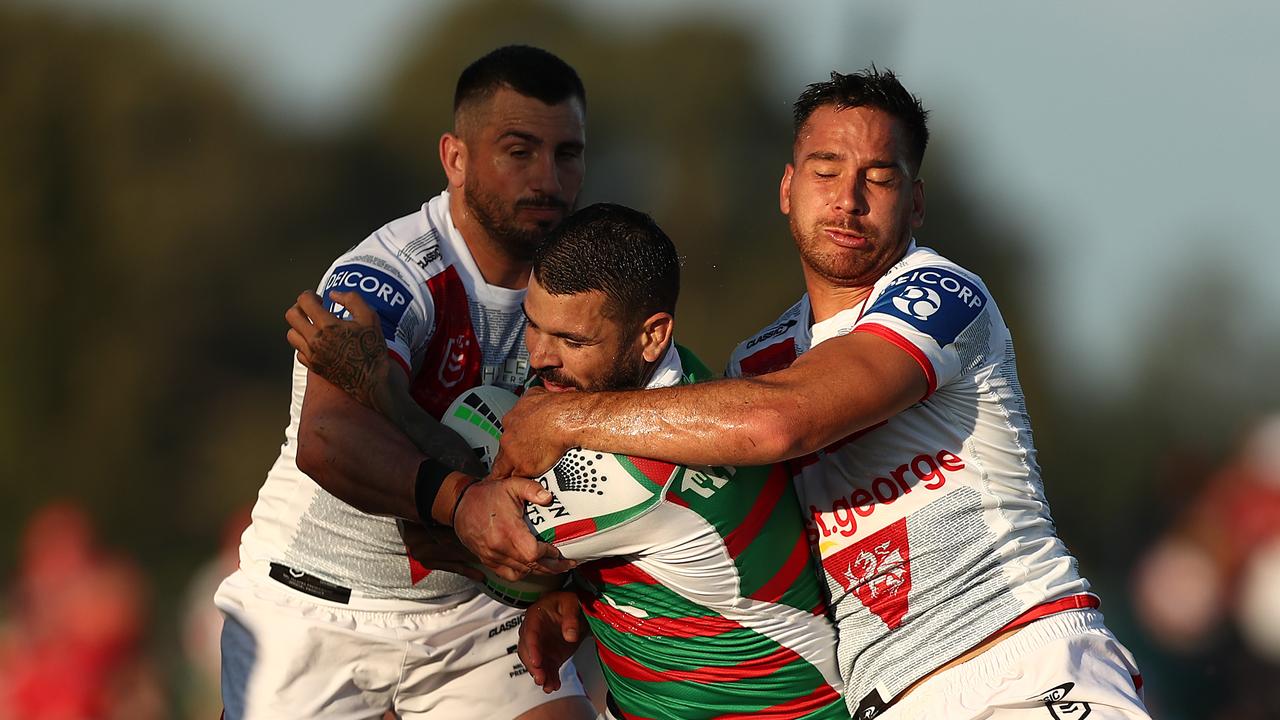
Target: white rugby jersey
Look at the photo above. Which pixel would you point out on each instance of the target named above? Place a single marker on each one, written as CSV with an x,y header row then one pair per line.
x,y
451,331
932,527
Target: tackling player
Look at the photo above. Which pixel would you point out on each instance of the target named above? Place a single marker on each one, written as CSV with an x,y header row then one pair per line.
x,y
702,596
891,386
328,615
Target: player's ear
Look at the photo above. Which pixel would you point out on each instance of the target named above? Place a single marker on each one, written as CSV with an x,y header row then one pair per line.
x,y
655,333
917,203
453,157
784,189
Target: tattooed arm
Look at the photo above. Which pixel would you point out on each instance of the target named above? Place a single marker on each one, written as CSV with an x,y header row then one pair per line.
x,y
362,437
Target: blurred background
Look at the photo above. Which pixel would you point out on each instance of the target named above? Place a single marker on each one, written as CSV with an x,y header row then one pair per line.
x,y
174,172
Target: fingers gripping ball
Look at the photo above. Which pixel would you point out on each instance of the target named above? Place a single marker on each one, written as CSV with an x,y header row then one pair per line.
x,y
476,415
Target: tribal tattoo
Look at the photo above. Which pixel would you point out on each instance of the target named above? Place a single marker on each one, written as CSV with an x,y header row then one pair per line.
x,y
351,356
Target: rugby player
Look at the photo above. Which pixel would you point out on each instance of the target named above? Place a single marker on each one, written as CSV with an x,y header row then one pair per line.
x,y
891,388
328,616
700,591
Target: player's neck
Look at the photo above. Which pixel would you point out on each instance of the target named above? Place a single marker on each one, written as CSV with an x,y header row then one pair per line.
x,y
495,262
827,298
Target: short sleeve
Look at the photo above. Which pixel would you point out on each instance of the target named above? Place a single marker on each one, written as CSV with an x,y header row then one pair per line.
x,y
938,316
598,503
401,312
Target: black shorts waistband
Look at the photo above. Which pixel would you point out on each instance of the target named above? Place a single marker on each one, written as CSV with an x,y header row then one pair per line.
x,y
309,584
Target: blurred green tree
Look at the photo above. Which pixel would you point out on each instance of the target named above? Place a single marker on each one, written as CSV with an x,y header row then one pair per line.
x,y
151,216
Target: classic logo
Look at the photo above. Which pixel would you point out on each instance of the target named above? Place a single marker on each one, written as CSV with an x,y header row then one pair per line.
x,y
508,625
918,302
772,332
877,570
454,367
422,250
1055,701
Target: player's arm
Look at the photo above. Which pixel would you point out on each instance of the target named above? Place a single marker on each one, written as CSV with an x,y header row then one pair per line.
x,y
365,440
840,387
362,437
843,385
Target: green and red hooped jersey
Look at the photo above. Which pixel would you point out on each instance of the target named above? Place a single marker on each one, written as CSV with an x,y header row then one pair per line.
x,y
703,597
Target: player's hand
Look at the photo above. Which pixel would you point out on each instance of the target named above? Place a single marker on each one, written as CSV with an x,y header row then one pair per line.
x,y
351,354
439,549
490,521
552,630
532,439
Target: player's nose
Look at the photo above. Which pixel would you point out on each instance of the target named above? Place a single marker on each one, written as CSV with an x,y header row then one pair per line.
x,y
851,197
540,354
545,176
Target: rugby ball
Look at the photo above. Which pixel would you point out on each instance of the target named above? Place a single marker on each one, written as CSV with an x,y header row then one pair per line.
x,y
476,415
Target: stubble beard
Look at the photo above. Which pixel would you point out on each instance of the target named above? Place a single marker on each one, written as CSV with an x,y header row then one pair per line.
x,y
844,267
520,242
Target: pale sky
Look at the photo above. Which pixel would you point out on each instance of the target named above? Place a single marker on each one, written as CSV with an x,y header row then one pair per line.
x,y
1137,138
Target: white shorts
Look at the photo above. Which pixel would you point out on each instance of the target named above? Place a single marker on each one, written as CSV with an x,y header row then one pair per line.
x,y
1063,666
288,655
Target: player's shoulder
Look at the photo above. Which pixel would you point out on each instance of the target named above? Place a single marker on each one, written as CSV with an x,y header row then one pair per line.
x,y
411,245
926,294
932,282
924,266
389,268
774,346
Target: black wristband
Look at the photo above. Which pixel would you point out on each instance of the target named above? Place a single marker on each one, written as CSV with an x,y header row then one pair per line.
x,y
431,475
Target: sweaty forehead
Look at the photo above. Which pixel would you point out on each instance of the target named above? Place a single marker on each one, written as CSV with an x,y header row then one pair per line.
x,y
858,133
585,312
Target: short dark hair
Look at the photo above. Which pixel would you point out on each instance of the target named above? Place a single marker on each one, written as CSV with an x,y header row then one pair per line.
x,y
618,251
874,88
530,71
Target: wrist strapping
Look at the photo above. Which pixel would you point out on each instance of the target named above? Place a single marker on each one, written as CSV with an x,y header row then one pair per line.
x,y
431,475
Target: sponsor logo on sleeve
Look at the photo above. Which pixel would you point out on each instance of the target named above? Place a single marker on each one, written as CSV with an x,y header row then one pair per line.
x,y
935,301
385,293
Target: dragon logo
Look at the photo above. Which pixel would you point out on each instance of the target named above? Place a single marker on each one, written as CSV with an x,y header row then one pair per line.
x,y
877,570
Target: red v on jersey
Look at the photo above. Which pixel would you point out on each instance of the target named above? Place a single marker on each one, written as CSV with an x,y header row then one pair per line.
x,y
877,569
452,361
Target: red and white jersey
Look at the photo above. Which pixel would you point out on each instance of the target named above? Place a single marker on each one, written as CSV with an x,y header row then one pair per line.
x,y
451,331
932,527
